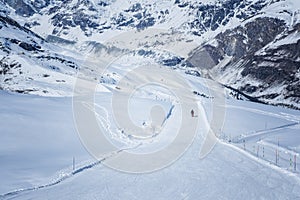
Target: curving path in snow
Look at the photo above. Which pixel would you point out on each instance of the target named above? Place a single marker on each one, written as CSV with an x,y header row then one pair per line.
x,y
227,172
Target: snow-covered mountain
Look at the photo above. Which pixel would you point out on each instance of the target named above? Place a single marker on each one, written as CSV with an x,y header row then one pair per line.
x,y
165,76
31,65
65,18
260,57
249,45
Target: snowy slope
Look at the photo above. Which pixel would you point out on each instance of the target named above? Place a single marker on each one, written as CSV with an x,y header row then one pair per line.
x,y
96,20
31,65
228,172
46,47
259,61
220,27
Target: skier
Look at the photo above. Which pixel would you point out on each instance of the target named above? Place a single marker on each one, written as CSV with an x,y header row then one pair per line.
x,y
192,113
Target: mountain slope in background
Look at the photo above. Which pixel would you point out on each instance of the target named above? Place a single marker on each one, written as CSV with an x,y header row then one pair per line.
x,y
29,64
251,47
248,45
260,57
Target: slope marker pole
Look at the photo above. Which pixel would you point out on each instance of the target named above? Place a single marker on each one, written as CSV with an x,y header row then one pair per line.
x,y
73,163
295,162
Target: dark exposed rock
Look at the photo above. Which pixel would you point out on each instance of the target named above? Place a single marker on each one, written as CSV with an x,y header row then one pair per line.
x,y
25,8
5,20
21,8
30,25
102,3
231,42
127,23
5,47
202,95
27,91
193,73
29,47
249,88
276,66
25,45
273,67
143,52
270,96
53,10
57,58
172,61
134,8
78,18
293,91
6,66
145,23
212,16
138,16
251,98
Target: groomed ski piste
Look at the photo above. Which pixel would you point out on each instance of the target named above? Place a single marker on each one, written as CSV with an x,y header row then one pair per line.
x,y
256,155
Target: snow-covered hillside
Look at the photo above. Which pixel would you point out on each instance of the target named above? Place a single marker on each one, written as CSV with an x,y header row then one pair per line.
x,y
31,65
243,54
164,99
36,158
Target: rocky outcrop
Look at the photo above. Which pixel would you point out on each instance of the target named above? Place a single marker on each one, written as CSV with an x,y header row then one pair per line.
x,y
25,8
264,60
212,16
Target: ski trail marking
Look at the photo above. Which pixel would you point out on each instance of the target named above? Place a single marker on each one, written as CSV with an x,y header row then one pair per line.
x,y
63,178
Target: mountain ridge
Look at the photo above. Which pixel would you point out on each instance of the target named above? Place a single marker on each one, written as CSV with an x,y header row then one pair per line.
x,y
249,45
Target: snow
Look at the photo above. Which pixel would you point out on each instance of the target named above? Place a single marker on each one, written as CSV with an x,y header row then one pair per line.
x,y
39,138
290,39
189,178
36,158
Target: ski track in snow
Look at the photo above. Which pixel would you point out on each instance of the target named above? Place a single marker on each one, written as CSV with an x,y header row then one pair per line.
x,y
64,177
281,115
104,121
260,133
84,168
262,161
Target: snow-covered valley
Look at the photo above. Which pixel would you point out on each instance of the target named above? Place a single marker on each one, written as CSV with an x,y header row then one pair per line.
x,y
127,99
39,141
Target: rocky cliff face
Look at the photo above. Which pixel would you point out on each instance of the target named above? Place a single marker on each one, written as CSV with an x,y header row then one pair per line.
x,y
27,8
94,17
249,45
259,58
28,64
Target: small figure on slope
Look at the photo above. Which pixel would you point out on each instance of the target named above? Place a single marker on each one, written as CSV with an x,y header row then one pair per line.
x,y
192,113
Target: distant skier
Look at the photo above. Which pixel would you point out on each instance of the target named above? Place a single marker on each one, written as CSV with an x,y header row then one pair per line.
x,y
192,113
